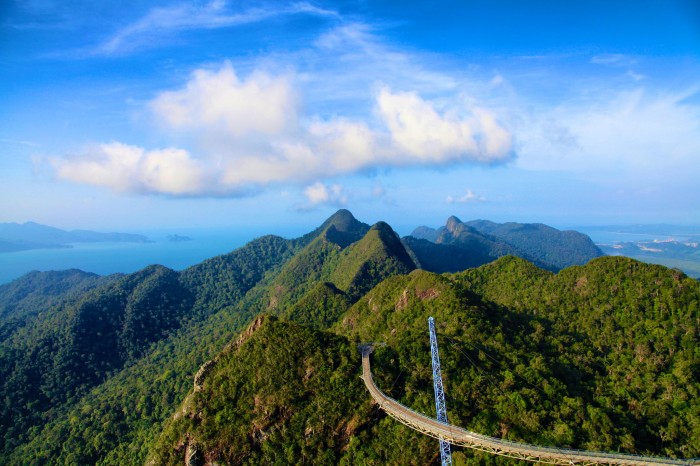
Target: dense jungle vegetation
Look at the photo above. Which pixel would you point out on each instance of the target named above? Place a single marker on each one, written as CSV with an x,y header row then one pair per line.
x,y
250,357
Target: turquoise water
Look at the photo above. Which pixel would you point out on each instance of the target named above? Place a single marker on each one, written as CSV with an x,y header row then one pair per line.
x,y
107,258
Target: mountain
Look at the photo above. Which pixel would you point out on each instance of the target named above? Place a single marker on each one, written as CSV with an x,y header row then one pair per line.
x,y
600,357
281,393
88,340
542,244
347,254
250,357
30,235
70,347
460,245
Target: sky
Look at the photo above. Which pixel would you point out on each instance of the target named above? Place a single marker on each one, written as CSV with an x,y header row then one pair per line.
x,y
136,115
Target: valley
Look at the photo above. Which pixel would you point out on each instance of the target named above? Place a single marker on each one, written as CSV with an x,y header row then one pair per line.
x,y
251,357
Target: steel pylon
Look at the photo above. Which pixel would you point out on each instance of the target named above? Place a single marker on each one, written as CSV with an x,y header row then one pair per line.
x,y
440,407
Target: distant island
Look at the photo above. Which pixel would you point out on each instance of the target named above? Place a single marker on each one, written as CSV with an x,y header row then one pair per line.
x,y
684,255
251,357
31,235
676,246
178,238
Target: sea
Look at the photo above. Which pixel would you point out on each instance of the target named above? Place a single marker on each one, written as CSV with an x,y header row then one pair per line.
x,y
612,237
106,258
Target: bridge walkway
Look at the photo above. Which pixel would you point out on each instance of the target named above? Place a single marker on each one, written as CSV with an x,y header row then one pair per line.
x,y
458,436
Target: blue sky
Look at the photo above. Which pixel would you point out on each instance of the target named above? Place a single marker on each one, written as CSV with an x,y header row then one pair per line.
x,y
133,115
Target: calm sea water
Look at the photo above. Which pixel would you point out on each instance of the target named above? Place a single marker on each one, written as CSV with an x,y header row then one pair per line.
x,y
107,258
610,237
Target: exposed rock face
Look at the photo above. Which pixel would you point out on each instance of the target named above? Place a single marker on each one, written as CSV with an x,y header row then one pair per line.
x,y
209,365
192,455
202,373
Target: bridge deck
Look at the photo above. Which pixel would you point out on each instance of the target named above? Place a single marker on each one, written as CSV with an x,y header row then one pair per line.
x,y
458,436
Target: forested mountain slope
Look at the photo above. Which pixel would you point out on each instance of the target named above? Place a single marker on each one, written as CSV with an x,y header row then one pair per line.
x,y
347,254
281,394
543,244
602,356
207,303
28,295
513,368
73,346
64,349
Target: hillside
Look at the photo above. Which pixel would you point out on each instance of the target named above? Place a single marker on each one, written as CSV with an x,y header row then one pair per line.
x,y
459,245
232,288
599,357
280,394
541,377
76,342
602,356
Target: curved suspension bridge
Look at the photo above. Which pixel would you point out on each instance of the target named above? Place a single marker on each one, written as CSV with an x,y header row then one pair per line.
x,y
523,451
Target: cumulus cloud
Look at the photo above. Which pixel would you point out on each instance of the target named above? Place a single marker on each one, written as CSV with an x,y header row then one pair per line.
x,y
133,169
428,136
468,197
319,193
219,101
246,133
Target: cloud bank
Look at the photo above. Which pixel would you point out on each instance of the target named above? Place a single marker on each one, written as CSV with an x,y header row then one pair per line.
x,y
247,133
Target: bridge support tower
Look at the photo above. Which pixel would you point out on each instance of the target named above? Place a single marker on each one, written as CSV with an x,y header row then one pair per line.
x,y
440,407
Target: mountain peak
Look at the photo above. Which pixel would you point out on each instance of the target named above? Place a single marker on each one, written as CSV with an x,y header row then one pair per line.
x,y
343,221
343,229
452,223
382,226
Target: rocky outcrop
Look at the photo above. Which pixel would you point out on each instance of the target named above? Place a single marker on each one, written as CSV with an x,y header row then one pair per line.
x,y
208,366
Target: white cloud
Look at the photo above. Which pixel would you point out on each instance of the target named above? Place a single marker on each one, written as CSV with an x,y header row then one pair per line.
x,y
19,142
128,168
351,60
468,197
428,136
319,193
635,134
247,133
497,80
219,101
345,145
